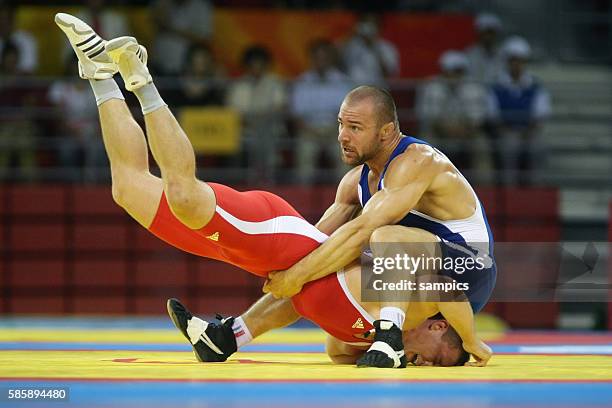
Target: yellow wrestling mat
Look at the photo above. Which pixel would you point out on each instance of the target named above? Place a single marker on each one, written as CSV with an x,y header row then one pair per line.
x,y
155,354
105,364
282,366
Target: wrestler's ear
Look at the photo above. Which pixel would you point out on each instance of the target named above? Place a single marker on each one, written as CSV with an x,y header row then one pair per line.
x,y
437,325
386,131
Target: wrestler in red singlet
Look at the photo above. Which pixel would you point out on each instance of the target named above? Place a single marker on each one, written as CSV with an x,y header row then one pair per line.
x,y
260,232
255,230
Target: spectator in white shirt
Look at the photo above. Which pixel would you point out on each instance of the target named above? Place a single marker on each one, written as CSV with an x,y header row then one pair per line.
x,y
485,59
260,97
24,41
106,22
80,141
451,110
181,24
368,58
316,95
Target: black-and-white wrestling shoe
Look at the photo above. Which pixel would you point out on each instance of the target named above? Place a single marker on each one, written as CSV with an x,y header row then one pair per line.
x,y
387,351
94,60
94,63
211,342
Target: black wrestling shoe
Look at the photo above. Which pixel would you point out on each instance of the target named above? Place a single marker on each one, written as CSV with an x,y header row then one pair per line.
x,y
387,351
211,342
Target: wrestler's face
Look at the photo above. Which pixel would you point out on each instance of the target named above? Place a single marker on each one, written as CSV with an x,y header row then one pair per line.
x,y
425,345
359,132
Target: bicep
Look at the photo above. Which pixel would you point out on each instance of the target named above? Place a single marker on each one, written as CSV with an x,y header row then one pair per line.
x,y
389,206
405,184
336,216
346,203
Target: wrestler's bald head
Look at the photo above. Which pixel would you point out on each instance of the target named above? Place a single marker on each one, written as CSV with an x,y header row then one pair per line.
x,y
381,100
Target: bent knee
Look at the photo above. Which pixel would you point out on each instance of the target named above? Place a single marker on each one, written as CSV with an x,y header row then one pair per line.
x,y
338,356
191,201
139,194
343,358
120,191
340,352
399,233
179,196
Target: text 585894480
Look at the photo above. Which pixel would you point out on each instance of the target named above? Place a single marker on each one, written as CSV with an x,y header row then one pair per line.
x,y
34,394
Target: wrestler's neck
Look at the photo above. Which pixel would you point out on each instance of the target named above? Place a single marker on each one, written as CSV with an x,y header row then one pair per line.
x,y
377,163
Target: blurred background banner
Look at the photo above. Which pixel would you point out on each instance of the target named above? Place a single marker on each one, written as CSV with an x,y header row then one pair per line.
x,y
211,130
288,34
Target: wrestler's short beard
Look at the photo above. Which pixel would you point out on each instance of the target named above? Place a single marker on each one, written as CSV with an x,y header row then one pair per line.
x,y
362,158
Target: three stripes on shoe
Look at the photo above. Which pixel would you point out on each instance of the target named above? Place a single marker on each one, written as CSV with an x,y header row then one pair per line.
x,y
92,46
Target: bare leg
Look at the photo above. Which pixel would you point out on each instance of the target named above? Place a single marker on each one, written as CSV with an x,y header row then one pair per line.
x,y
387,241
341,353
269,313
388,348
191,200
134,187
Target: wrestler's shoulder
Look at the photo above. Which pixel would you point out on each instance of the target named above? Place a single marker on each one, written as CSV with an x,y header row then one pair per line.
x,y
416,157
351,178
347,189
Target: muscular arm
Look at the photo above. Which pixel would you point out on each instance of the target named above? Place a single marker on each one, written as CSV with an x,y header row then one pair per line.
x,y
408,177
461,316
345,206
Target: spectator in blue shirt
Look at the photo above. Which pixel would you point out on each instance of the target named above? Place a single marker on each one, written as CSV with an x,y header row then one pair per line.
x,y
518,105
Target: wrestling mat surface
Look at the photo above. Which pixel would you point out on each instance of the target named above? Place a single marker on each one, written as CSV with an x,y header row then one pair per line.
x,y
146,362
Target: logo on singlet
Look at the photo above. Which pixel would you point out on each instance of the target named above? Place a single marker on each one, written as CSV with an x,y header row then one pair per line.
x,y
214,237
358,324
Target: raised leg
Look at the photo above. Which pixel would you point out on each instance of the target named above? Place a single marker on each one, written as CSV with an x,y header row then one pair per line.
x,y
134,187
191,200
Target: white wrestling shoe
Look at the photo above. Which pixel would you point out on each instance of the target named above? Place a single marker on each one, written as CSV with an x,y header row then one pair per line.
x,y
131,58
94,62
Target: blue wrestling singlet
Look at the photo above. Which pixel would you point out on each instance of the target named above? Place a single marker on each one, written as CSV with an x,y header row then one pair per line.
x,y
466,238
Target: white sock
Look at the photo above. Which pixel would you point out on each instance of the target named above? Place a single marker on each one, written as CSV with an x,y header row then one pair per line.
x,y
241,332
149,98
394,314
105,89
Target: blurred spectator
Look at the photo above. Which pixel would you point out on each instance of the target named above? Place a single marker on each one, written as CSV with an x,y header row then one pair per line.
x,y
180,25
202,82
24,41
106,22
315,100
80,142
368,58
261,98
486,61
518,104
17,128
452,109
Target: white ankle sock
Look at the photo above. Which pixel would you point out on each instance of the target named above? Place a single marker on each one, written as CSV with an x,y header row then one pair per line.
x,y
394,314
105,89
241,332
149,98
